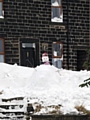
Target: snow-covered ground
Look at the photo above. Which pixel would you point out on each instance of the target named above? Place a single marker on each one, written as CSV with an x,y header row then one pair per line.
x,y
46,86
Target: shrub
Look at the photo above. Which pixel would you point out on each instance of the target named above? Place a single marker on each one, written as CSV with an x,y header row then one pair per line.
x,y
82,109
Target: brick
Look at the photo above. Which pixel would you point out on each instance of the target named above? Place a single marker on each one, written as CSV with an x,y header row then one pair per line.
x,y
32,18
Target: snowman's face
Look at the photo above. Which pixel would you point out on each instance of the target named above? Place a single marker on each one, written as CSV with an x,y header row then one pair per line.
x,y
45,59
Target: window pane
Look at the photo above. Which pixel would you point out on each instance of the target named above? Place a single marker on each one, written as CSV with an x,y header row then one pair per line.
x,y
55,12
1,46
31,45
1,58
0,8
57,59
57,62
56,2
56,15
57,49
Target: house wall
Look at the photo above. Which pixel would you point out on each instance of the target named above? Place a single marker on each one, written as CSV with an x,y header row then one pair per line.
x,y
32,19
78,16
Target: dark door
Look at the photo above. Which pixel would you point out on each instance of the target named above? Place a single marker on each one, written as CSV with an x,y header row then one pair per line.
x,y
28,57
81,57
29,52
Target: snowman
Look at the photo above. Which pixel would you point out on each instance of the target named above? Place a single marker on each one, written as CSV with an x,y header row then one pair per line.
x,y
45,58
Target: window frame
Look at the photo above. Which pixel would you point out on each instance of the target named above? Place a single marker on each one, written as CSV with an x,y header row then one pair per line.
x,y
2,15
57,60
61,12
3,50
61,50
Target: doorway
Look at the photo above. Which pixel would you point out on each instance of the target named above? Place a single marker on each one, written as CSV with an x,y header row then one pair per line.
x,y
29,53
81,57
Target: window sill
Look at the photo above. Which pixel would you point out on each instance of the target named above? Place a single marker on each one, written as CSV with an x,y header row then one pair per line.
x,y
57,23
2,18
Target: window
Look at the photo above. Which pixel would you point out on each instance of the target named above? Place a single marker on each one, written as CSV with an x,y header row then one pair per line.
x,y
56,11
1,9
30,45
2,56
57,54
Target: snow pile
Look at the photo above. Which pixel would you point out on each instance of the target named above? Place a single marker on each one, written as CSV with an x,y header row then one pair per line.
x,y
46,87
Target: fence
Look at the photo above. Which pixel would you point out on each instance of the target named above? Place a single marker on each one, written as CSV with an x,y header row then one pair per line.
x,y
60,117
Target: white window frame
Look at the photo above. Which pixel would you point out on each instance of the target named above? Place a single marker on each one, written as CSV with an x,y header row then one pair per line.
x,y
56,11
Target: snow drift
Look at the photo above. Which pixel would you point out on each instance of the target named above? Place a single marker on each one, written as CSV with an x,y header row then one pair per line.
x,y
47,86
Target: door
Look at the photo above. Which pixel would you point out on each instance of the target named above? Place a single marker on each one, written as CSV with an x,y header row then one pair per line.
x,y
29,54
81,57
28,57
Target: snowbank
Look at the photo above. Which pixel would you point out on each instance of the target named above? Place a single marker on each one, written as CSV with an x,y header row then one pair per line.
x,y
45,85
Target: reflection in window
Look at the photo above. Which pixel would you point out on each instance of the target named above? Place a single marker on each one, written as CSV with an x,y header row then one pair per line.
x,y
1,58
56,11
57,57
1,47
57,62
31,45
57,49
1,9
56,2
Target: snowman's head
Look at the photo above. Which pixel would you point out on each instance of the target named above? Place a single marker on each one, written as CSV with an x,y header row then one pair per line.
x,y
45,57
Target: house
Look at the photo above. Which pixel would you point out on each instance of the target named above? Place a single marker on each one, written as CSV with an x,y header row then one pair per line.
x,y
30,27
